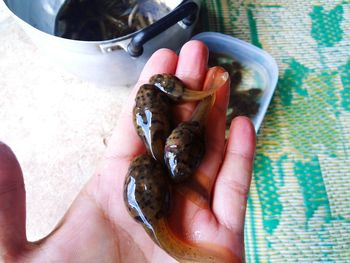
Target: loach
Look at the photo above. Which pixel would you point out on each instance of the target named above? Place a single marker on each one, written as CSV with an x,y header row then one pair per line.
x,y
147,193
185,147
152,109
98,20
148,187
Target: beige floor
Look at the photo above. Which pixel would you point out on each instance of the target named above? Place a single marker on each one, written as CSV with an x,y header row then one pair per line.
x,y
54,122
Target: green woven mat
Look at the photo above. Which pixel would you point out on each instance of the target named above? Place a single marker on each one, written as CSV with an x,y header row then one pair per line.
x,y
299,204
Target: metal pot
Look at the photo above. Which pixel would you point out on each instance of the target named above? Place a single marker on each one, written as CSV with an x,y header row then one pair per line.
x,y
112,62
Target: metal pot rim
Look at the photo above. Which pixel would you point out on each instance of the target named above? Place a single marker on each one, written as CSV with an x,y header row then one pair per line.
x,y
100,42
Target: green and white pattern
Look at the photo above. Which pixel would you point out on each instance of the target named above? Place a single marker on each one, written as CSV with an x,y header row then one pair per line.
x,y
299,204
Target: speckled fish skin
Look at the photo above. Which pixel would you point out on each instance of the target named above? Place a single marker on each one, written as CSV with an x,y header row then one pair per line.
x,y
147,195
169,84
151,119
147,192
185,147
147,189
184,150
152,109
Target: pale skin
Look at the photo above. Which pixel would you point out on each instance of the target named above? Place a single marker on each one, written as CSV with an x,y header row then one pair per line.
x,y
97,226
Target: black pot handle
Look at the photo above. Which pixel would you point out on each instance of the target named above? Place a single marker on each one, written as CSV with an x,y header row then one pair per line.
x,y
186,11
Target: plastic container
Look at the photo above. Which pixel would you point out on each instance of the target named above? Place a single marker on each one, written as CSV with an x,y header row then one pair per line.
x,y
263,68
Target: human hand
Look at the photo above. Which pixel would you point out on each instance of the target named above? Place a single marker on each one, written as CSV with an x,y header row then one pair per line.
x,y
97,226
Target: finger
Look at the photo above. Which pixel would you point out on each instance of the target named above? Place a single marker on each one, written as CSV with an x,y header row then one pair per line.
x,y
192,64
162,61
232,185
125,142
216,126
191,69
12,204
215,140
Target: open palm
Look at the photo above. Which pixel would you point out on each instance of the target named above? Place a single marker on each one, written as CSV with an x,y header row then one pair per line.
x,y
208,211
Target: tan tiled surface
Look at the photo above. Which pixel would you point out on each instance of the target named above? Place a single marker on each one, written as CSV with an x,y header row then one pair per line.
x,y
54,122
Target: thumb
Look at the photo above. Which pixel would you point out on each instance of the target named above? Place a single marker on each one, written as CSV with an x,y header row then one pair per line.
x,y
12,204
233,181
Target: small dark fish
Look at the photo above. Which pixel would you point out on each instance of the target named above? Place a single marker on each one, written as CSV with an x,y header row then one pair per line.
x,y
242,102
184,150
151,113
147,187
151,119
97,20
147,197
147,193
185,147
176,89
